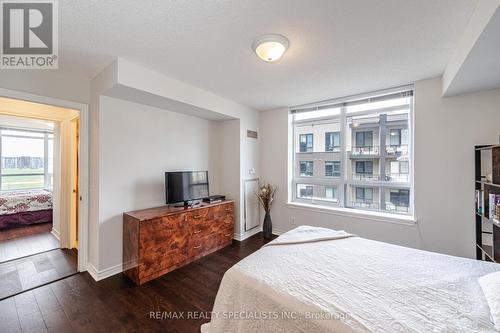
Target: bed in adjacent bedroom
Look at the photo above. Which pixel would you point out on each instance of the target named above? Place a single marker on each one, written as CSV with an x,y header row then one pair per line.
x,y
321,280
27,207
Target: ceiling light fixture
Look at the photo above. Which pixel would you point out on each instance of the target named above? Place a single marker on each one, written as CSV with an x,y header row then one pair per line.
x,y
270,47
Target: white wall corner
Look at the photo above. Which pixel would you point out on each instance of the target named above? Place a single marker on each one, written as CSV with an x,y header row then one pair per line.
x,y
483,13
98,275
56,234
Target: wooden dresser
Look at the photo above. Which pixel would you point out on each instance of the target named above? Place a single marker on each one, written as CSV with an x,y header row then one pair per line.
x,y
159,240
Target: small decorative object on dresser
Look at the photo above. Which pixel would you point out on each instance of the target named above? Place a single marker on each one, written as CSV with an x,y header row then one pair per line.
x,y
159,240
266,198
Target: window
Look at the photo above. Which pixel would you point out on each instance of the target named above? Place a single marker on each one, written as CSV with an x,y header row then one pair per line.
x,y
306,168
399,200
305,191
26,159
306,143
331,193
357,173
332,169
364,167
364,194
364,139
332,141
395,137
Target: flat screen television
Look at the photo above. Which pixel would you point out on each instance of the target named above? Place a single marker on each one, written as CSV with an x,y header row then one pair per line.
x,y
185,186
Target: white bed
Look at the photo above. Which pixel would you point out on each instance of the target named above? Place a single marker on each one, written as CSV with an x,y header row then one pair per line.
x,y
328,281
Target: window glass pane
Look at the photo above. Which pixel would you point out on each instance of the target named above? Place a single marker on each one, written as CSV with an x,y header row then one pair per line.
x,y
306,143
22,155
374,164
317,114
395,137
332,141
14,182
306,168
402,102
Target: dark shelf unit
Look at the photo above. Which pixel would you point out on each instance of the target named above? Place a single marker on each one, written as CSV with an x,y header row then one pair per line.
x,y
487,228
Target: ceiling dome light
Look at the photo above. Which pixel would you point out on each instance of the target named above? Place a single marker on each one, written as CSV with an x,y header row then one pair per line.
x,y
270,47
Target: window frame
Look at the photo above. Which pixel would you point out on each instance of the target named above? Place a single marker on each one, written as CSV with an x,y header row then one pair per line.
x,y
47,176
346,182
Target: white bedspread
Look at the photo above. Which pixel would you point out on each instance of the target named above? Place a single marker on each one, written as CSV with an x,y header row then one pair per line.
x,y
350,284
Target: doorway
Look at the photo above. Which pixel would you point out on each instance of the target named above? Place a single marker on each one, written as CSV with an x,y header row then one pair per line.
x,y
39,206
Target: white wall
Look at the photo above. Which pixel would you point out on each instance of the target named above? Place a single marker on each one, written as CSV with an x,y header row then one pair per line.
x,y
50,83
138,144
446,129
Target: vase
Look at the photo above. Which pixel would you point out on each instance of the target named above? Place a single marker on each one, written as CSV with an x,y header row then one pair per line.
x,y
268,227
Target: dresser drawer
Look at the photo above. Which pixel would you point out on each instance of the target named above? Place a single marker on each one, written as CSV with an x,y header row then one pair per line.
x,y
224,236
156,262
200,245
163,235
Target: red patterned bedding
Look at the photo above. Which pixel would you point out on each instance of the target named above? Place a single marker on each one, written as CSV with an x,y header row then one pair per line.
x,y
22,208
25,201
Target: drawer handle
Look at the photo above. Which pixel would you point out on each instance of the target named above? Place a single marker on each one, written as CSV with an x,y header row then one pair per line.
x,y
196,231
227,223
196,216
196,247
227,235
228,209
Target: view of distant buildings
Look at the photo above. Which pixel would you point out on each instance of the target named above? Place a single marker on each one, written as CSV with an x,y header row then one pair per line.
x,y
377,170
22,162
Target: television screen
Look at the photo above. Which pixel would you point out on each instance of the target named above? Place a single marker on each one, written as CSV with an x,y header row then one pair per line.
x,y
186,185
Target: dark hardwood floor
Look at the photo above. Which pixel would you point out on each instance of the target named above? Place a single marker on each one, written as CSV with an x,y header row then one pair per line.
x,y
19,275
28,245
28,230
78,303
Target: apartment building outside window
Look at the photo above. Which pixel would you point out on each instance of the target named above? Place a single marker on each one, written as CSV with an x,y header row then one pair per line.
x,y
355,153
332,168
306,168
332,141
26,159
306,143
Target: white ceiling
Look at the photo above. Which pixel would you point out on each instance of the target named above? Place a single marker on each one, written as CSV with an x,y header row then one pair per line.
x,y
337,47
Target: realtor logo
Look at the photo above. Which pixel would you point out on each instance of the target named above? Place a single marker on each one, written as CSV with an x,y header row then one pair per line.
x,y
29,34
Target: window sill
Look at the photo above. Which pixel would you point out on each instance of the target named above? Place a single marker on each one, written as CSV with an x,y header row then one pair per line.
x,y
373,216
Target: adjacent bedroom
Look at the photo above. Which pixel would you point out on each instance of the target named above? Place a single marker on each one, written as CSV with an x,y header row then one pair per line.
x,y
38,153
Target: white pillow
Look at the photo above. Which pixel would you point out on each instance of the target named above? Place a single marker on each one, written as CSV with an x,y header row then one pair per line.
x,y
490,284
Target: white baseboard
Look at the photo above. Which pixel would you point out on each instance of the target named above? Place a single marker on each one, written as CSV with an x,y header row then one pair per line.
x,y
113,270
250,233
56,234
105,273
241,237
278,231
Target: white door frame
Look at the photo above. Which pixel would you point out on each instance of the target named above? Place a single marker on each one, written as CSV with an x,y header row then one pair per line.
x,y
83,163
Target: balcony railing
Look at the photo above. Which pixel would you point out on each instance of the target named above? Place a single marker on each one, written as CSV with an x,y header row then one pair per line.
x,y
365,176
332,149
397,177
396,150
365,150
365,204
398,208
